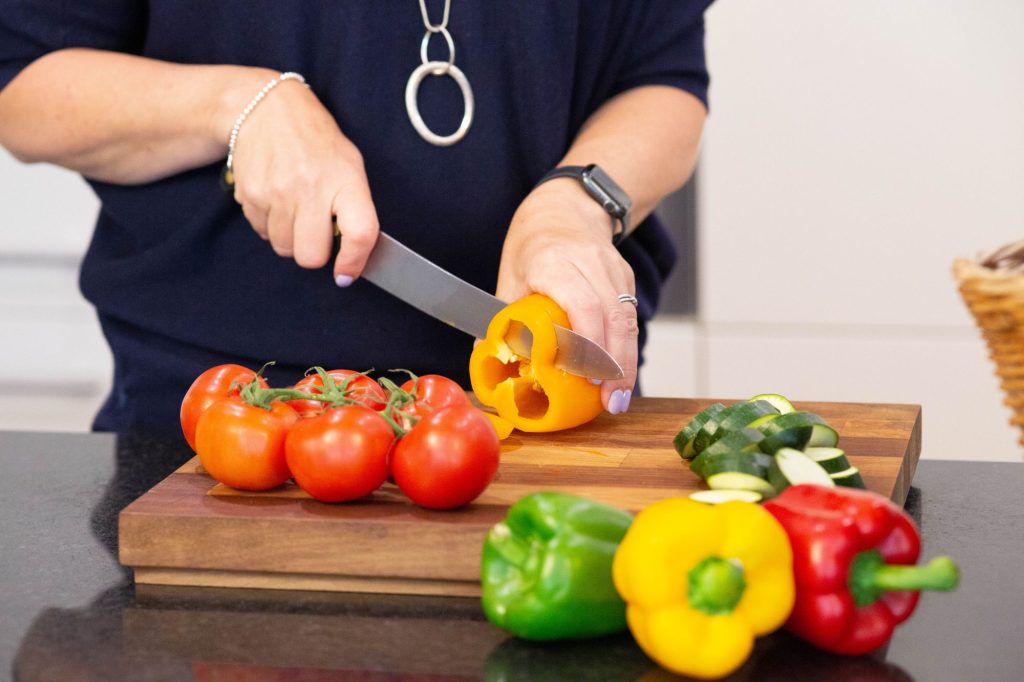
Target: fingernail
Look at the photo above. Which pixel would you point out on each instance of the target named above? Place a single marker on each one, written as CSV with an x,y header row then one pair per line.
x,y
343,280
619,401
596,382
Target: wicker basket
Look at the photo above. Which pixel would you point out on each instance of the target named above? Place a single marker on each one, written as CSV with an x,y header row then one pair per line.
x,y
995,298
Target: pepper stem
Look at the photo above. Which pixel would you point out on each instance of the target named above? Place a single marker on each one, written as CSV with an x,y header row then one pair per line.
x,y
716,585
870,576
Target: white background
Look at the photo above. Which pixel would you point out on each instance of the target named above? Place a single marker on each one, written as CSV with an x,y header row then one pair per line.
x,y
854,150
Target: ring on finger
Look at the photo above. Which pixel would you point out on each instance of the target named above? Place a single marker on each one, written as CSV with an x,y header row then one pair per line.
x,y
629,298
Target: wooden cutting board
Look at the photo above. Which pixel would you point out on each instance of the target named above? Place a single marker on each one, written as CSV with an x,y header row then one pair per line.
x,y
190,530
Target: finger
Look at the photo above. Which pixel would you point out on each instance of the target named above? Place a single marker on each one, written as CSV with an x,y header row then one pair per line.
x,y
281,228
257,217
571,290
357,222
621,329
622,332
313,238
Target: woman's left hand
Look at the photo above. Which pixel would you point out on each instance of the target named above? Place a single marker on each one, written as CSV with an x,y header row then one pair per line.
x,y
560,244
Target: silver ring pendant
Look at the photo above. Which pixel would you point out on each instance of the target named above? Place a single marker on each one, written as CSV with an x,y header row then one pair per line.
x,y
412,90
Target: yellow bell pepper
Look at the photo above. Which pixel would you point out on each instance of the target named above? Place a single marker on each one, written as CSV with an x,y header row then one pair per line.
x,y
502,426
702,581
531,393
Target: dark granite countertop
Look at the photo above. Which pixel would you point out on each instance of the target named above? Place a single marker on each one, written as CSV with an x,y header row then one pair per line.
x,y
68,611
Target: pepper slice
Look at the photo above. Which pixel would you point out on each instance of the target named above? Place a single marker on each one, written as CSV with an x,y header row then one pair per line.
x,y
702,581
531,393
546,570
853,558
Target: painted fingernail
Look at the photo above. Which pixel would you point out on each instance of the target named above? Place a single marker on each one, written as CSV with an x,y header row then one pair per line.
x,y
596,382
343,280
619,401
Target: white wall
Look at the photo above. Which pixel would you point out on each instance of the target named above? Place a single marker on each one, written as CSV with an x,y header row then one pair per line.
x,y
854,150
54,364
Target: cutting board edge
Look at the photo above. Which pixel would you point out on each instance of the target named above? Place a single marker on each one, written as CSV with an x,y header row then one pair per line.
x,y
223,545
908,463
307,582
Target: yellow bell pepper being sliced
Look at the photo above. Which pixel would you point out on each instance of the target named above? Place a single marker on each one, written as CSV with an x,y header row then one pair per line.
x,y
502,426
702,581
531,393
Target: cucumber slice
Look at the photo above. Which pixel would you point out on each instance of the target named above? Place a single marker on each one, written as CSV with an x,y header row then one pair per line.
x,y
720,496
744,441
683,441
761,421
797,430
823,436
763,459
831,460
849,478
739,462
734,480
732,418
778,401
792,467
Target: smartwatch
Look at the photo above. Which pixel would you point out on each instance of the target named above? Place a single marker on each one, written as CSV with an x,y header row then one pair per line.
x,y
605,191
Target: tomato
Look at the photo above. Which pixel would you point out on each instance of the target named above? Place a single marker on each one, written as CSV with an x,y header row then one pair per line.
x,y
436,393
242,445
213,384
367,391
341,454
433,392
447,459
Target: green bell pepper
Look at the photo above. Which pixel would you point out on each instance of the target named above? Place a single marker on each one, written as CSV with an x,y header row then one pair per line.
x,y
546,571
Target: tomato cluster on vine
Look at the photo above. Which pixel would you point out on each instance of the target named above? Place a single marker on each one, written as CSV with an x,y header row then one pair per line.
x,y
340,435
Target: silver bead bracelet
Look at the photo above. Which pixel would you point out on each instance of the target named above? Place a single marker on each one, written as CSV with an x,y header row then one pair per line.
x,y
228,177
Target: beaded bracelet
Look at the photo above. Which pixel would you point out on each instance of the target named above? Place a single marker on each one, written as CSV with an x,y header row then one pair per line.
x,y
228,177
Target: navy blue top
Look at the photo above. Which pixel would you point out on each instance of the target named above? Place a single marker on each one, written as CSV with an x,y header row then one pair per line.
x,y
181,281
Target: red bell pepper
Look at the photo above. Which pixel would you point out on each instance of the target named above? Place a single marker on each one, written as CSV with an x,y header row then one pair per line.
x,y
853,562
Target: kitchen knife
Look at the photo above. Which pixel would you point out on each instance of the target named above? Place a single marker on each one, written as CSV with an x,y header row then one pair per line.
x,y
402,272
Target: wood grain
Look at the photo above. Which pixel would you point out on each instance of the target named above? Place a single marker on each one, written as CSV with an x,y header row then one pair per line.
x,y
190,530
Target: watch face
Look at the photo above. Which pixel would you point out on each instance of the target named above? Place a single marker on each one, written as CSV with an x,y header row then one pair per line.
x,y
606,191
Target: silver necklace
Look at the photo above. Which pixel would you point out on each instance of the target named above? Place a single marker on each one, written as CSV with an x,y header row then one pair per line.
x,y
436,68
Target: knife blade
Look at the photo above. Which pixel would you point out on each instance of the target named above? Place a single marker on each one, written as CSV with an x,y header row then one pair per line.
x,y
403,273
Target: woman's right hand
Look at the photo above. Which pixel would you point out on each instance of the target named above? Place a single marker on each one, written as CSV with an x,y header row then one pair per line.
x,y
294,170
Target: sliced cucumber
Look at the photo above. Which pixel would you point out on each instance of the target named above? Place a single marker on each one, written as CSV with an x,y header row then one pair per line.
x,y
733,418
703,437
683,441
739,462
720,496
849,478
762,458
792,467
761,421
823,436
742,441
738,417
734,480
797,430
830,459
778,401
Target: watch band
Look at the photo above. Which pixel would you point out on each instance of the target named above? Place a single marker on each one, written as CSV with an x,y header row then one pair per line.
x,y
602,189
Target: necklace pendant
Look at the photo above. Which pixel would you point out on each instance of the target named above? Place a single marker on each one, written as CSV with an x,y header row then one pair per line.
x,y
412,88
